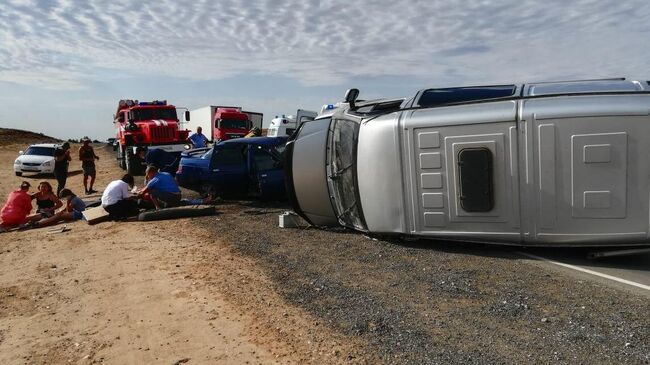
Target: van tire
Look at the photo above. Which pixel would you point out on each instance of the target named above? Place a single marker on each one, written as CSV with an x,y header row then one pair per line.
x,y
178,212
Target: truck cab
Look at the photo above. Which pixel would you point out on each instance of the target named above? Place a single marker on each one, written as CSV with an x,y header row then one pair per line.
x,y
151,124
230,123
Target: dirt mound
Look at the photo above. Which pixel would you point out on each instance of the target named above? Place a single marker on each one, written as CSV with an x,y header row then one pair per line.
x,y
16,136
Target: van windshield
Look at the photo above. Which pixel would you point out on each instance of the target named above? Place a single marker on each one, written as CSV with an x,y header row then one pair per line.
x,y
342,179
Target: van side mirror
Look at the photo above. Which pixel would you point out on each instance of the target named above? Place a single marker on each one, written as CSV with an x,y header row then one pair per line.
x,y
21,152
351,97
187,115
131,117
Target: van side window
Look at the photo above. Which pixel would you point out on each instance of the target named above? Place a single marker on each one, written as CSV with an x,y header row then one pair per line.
x,y
228,155
475,179
436,97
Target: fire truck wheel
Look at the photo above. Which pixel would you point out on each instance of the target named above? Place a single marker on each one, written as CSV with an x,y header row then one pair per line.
x,y
132,166
120,157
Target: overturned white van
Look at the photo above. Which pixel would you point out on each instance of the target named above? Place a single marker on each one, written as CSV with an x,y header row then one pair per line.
x,y
556,164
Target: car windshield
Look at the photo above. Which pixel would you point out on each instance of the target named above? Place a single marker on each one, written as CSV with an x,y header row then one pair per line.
x,y
234,124
40,151
154,113
343,173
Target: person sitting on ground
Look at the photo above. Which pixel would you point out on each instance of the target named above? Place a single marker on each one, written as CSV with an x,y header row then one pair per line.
x,y
87,156
117,200
72,212
198,139
18,206
162,189
46,202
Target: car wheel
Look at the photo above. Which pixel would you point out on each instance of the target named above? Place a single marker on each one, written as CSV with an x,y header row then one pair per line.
x,y
208,190
19,173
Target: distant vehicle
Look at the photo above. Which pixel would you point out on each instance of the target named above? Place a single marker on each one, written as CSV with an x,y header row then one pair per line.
x,y
152,124
237,166
553,164
285,126
221,123
38,158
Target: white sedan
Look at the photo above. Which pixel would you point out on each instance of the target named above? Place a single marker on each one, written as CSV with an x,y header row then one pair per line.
x,y
38,158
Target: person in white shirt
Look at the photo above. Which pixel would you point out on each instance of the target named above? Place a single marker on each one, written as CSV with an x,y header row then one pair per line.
x,y
117,200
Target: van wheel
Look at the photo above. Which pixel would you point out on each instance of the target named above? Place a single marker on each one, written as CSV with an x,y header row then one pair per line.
x,y
19,173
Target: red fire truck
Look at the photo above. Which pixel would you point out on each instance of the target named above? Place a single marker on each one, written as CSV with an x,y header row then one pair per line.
x,y
149,125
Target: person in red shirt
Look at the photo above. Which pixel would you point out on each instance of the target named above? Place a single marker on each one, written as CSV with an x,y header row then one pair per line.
x,y
17,208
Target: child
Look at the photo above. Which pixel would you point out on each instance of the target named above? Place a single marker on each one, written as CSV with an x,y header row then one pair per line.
x,y
72,211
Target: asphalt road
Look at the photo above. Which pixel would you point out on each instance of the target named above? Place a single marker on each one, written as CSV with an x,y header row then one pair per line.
x,y
630,272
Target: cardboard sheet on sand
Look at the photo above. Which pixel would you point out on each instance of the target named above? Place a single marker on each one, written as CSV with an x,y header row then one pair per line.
x,y
95,215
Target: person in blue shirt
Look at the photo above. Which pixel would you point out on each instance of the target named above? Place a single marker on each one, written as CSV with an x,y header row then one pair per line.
x,y
198,140
162,189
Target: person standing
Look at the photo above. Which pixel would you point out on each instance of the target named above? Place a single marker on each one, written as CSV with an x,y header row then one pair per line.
x,y
61,161
87,156
198,140
117,200
18,206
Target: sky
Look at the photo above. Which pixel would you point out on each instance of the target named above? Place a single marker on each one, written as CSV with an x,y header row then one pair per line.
x,y
64,64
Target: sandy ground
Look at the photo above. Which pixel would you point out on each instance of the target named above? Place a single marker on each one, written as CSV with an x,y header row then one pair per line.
x,y
141,293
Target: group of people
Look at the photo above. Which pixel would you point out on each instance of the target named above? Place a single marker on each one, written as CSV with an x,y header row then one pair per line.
x,y
62,160
160,191
17,210
120,198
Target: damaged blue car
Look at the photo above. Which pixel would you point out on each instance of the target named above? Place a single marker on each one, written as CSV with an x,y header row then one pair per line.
x,y
243,166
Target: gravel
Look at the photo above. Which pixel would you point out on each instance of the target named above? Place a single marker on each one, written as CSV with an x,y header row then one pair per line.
x,y
433,302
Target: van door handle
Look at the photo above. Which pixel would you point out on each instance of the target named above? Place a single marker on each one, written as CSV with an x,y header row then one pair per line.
x,y
215,170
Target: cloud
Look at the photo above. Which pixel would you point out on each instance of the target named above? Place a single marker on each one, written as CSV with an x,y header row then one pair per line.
x,y
68,43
